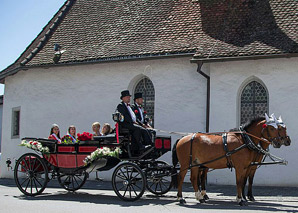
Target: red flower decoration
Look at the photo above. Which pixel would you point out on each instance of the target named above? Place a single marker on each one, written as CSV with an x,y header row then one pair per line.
x,y
136,111
264,126
145,112
85,136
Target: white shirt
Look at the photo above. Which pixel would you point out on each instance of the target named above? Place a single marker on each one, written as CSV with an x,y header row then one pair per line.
x,y
132,114
141,112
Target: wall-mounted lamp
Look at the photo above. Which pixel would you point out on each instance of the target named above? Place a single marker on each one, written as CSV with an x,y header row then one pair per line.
x,y
58,53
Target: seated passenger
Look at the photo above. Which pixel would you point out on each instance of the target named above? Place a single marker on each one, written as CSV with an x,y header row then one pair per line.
x,y
138,109
72,133
96,129
106,129
130,123
55,133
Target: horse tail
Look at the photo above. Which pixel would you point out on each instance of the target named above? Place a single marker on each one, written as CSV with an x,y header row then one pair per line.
x,y
175,162
174,154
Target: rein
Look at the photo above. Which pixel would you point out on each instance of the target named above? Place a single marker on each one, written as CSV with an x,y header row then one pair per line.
x,y
241,132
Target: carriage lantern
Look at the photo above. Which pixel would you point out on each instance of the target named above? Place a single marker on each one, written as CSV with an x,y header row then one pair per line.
x,y
118,117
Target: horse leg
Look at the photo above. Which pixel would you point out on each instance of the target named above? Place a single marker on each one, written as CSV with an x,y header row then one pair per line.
x,y
250,182
194,181
243,188
181,176
203,183
240,177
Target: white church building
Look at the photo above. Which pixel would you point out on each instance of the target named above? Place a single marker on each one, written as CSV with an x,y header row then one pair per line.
x,y
202,66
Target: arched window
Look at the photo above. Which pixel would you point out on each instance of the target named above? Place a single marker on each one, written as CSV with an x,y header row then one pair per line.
x,y
254,101
146,87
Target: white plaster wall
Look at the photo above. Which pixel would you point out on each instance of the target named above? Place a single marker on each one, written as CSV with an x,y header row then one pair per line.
x,y
81,95
1,114
280,77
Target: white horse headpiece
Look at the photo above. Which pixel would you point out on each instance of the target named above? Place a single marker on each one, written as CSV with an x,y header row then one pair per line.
x,y
280,122
271,121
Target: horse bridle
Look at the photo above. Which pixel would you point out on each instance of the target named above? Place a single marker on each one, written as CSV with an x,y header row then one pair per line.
x,y
275,141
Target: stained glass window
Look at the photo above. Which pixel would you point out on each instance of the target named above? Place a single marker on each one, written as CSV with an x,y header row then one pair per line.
x,y
254,101
146,87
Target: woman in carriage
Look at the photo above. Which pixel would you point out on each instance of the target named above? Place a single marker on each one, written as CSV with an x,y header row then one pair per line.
x,y
71,133
55,133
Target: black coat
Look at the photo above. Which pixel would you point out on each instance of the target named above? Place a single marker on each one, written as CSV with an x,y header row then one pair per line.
x,y
137,112
128,122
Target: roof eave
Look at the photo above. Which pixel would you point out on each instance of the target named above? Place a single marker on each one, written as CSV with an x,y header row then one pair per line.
x,y
197,59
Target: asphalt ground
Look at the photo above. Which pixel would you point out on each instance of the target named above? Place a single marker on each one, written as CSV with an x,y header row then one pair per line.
x,y
99,196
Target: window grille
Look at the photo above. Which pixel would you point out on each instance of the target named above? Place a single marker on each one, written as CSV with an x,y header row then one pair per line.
x,y
15,122
254,101
146,87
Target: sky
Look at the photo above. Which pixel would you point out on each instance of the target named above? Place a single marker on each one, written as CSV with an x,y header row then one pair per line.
x,y
20,22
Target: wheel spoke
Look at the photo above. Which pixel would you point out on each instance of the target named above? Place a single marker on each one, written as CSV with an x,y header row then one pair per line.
x,y
155,187
160,186
79,177
161,181
138,186
38,181
24,181
76,180
119,176
27,184
123,173
33,166
134,190
136,175
125,191
25,169
35,185
72,182
31,185
130,191
26,164
127,172
37,167
121,188
131,173
30,166
151,184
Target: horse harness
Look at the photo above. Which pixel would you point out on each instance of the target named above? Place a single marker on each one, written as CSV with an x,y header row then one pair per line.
x,y
248,143
225,145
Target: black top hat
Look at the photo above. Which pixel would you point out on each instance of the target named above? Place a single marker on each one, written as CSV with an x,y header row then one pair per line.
x,y
138,95
124,93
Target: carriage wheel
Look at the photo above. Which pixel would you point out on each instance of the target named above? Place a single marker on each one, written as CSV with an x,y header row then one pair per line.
x,y
158,179
72,182
31,174
128,182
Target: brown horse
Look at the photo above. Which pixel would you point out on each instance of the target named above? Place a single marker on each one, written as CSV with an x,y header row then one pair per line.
x,y
206,148
284,140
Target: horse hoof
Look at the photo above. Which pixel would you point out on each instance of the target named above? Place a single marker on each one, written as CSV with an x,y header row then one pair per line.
x,y
202,201
206,197
251,198
243,203
182,201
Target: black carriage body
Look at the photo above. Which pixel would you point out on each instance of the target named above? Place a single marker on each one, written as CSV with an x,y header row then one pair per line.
x,y
66,162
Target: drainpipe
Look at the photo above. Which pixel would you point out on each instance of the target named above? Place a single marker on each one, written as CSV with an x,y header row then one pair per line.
x,y
200,64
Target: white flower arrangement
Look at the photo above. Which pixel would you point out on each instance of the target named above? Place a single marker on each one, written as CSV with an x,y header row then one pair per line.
x,y
35,145
100,153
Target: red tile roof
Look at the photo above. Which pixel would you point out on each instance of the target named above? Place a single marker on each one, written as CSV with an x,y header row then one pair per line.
x,y
98,30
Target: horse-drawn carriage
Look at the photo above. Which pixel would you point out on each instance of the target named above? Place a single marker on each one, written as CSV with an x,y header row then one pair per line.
x,y
72,163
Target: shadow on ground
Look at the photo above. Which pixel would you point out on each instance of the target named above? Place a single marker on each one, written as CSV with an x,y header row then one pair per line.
x,y
221,197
